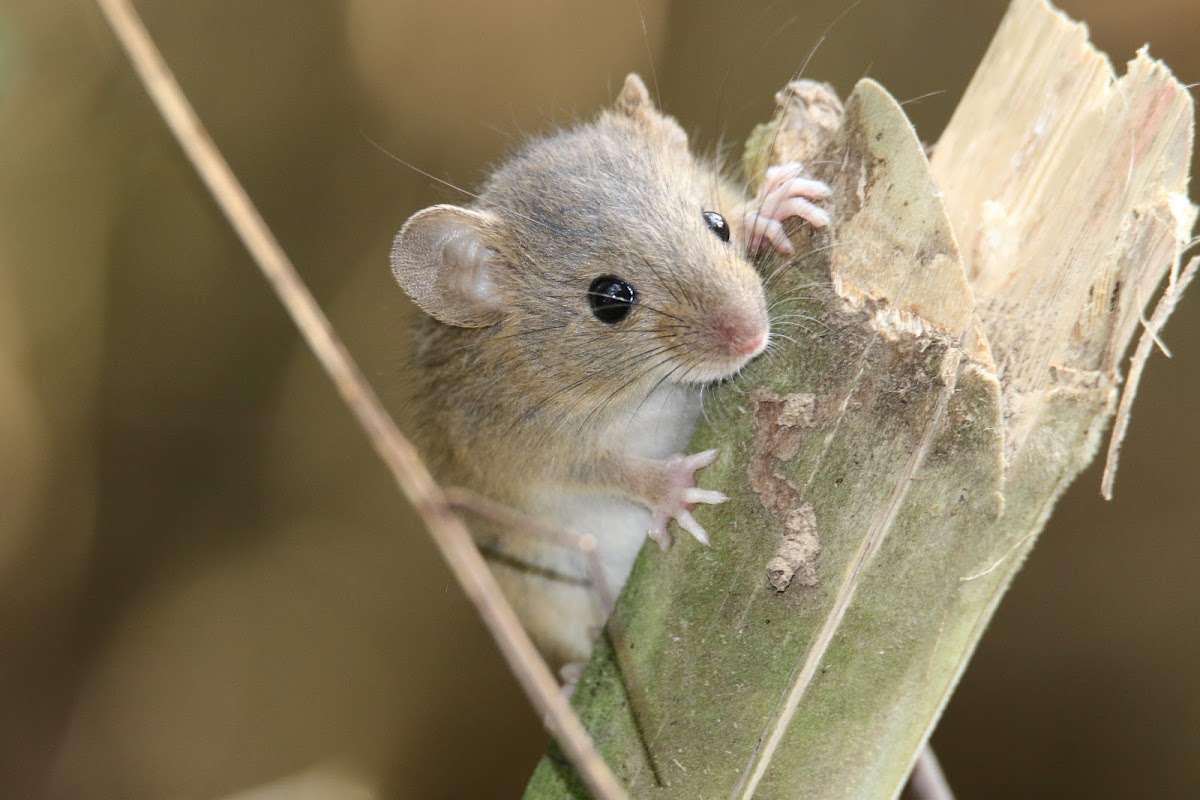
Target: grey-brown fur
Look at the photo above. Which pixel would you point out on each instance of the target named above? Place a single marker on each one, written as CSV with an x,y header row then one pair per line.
x,y
620,196
522,394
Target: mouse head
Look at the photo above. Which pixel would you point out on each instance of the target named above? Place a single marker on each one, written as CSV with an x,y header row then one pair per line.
x,y
599,253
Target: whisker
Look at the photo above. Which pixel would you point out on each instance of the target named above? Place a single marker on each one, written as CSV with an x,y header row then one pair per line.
x,y
664,283
550,428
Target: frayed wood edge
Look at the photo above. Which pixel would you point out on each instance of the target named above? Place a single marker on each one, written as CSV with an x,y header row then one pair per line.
x,y
413,478
1137,363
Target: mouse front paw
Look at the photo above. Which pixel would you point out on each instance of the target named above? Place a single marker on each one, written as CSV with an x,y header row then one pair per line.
x,y
785,193
675,494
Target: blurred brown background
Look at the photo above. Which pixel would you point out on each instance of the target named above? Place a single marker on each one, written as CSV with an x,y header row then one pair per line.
x,y
207,582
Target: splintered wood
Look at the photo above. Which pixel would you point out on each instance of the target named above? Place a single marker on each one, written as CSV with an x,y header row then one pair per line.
x,y
1067,189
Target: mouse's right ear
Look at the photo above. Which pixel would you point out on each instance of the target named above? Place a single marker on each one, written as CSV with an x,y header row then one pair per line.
x,y
634,102
440,260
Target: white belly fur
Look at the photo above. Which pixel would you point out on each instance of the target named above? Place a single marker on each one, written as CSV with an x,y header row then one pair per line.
x,y
658,428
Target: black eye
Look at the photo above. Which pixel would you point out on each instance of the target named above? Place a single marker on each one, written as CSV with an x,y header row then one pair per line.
x,y
611,299
718,224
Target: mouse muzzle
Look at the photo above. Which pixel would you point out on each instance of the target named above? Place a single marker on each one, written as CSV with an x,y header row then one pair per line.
x,y
731,336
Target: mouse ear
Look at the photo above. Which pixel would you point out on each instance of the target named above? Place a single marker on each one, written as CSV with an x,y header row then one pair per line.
x,y
439,259
634,102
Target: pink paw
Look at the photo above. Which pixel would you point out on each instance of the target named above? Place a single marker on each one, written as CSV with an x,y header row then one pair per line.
x,y
785,193
679,495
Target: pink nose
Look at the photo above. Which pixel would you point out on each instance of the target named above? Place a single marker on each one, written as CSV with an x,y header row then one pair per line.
x,y
742,339
748,346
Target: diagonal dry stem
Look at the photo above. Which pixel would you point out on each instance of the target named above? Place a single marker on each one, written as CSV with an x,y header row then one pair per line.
x,y
522,524
410,473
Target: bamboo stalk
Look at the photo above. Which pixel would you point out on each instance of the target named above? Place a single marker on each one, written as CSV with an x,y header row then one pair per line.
x,y
971,320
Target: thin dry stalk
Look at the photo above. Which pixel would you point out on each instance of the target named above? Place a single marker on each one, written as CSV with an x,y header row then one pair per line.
x,y
523,524
466,500
410,473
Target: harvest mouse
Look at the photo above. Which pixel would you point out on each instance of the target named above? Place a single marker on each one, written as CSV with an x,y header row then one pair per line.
x,y
573,312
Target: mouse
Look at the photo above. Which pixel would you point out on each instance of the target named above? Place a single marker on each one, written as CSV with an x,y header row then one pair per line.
x,y
573,313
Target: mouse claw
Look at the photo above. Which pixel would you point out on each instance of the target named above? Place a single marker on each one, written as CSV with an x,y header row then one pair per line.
x,y
689,524
709,496
791,176
678,494
569,674
764,232
785,194
698,460
659,533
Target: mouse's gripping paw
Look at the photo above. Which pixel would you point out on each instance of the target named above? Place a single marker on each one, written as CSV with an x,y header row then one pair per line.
x,y
675,494
785,193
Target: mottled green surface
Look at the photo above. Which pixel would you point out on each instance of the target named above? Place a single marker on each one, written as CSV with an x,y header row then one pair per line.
x,y
921,531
